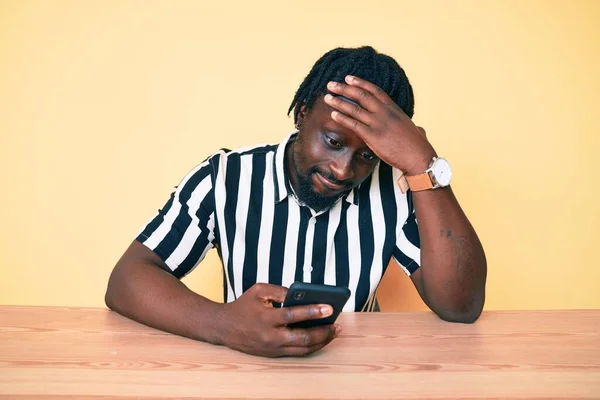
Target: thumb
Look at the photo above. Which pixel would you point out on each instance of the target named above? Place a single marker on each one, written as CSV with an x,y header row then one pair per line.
x,y
270,293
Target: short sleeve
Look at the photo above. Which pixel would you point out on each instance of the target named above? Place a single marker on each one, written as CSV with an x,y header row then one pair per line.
x,y
408,245
183,231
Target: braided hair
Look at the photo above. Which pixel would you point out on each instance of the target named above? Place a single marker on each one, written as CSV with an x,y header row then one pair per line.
x,y
363,62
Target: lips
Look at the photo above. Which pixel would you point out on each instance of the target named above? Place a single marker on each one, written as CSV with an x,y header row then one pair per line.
x,y
327,183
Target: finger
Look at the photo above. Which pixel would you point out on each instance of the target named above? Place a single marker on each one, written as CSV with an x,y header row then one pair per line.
x,y
302,351
353,110
375,90
308,337
269,293
291,315
354,125
305,350
363,97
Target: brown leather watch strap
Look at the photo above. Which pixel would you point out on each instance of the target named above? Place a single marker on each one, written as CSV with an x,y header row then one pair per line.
x,y
419,182
415,183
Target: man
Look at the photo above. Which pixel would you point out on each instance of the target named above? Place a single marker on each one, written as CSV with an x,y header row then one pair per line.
x,y
332,203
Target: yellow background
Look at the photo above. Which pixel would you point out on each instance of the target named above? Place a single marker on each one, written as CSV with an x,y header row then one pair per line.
x,y
105,105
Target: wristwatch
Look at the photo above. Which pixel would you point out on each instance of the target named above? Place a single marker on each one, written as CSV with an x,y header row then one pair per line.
x,y
437,175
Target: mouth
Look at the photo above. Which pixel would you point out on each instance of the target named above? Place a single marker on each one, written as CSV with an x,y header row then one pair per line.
x,y
328,184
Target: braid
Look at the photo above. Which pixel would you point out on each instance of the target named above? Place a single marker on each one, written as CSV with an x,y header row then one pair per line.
x,y
363,62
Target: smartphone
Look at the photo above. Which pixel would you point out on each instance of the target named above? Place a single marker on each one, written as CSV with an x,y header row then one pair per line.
x,y
301,294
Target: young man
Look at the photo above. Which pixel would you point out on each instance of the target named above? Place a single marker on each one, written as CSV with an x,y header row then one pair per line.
x,y
333,203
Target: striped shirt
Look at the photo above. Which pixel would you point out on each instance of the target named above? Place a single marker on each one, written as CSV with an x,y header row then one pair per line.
x,y
241,203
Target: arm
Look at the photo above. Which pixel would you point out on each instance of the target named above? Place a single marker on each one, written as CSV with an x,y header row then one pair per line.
x,y
144,288
141,289
452,278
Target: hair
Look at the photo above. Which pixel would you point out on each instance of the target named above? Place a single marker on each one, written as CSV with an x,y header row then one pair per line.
x,y
363,62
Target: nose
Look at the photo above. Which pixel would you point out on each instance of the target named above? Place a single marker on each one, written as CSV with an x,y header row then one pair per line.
x,y
342,167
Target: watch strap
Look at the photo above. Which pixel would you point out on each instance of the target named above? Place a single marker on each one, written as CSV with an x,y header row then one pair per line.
x,y
415,183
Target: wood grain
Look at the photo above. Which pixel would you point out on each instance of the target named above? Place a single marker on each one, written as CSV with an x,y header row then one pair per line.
x,y
88,353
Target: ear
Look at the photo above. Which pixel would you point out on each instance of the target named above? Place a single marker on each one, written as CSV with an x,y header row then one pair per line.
x,y
302,115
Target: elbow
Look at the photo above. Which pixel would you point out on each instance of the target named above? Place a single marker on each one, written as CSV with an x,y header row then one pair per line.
x,y
460,316
111,295
466,313
465,307
109,299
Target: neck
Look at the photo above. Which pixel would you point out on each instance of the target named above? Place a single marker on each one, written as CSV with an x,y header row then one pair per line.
x,y
289,163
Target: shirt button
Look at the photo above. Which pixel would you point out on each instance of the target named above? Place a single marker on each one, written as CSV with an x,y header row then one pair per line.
x,y
308,268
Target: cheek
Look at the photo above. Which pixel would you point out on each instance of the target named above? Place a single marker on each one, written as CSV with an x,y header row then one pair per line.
x,y
304,159
310,154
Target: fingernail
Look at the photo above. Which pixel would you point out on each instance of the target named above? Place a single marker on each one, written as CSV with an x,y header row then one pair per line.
x,y
328,97
326,310
331,85
349,78
334,114
338,329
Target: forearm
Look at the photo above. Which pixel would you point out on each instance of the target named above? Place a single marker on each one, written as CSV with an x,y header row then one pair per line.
x,y
453,273
141,288
150,295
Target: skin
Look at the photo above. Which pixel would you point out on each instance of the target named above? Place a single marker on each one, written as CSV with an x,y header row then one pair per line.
x,y
331,158
341,143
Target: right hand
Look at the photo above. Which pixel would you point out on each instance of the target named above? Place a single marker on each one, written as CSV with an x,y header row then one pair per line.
x,y
254,326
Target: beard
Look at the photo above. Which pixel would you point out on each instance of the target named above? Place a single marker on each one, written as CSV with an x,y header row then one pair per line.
x,y
306,193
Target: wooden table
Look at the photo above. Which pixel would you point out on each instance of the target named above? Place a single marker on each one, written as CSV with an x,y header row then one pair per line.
x,y
54,353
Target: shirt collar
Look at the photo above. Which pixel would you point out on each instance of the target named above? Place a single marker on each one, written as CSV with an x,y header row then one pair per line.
x,y
281,180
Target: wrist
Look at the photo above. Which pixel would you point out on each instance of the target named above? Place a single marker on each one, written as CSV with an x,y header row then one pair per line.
x,y
212,324
420,164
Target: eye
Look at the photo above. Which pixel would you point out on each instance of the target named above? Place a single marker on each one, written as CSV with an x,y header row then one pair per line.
x,y
332,142
367,156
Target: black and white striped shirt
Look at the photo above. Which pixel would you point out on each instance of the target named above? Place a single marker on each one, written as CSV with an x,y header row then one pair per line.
x,y
241,203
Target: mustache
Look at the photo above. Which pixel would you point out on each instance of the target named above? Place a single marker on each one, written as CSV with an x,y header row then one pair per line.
x,y
330,177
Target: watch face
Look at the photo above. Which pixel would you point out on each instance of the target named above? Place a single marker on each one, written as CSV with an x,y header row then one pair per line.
x,y
442,171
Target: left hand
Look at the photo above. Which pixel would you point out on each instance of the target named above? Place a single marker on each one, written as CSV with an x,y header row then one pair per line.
x,y
381,124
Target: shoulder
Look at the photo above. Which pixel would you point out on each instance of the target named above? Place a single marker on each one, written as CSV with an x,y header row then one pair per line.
x,y
239,163
226,155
